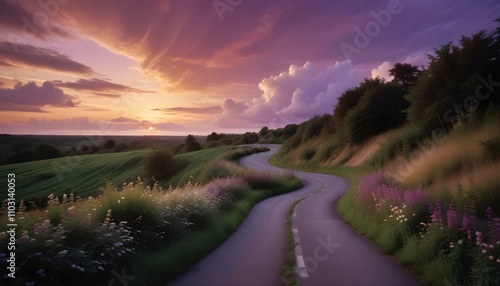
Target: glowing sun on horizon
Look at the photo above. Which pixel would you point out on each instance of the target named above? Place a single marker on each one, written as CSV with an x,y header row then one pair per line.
x,y
150,128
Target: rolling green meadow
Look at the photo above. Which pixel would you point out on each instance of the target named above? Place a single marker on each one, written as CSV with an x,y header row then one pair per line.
x,y
83,175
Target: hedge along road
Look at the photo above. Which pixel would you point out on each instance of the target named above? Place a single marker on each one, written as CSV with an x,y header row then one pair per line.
x,y
329,251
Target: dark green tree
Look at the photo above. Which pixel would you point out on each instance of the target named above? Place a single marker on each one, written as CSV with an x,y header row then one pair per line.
x,y
263,131
404,74
350,98
213,137
449,87
191,144
110,143
161,164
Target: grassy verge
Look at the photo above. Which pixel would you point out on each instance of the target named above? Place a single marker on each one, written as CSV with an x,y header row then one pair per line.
x,y
162,267
454,244
287,270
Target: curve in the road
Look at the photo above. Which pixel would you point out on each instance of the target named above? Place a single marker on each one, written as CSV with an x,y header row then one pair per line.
x,y
329,251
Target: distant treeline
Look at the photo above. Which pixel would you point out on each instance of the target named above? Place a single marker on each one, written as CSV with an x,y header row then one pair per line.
x,y
214,139
33,148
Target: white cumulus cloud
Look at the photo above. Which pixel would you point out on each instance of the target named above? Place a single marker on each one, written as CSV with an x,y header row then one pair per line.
x,y
382,71
293,96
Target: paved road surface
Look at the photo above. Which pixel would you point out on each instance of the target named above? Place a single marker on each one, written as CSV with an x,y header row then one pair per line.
x,y
330,252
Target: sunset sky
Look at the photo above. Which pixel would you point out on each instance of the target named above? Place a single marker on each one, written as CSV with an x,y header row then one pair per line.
x,y
195,66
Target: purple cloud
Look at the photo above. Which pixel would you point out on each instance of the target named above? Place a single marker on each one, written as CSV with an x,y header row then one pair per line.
x,y
22,55
26,24
197,110
108,95
31,97
84,126
261,38
96,84
124,120
293,96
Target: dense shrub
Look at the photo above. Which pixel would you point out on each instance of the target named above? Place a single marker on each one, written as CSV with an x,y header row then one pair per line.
x,y
110,143
121,146
161,164
213,137
39,152
314,126
350,98
492,148
370,117
290,130
263,131
307,154
25,155
191,144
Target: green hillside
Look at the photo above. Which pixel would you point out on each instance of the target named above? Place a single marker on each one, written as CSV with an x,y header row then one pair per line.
x,y
422,153
84,175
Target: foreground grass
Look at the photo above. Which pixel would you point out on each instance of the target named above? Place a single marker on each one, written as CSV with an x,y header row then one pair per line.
x,y
168,264
155,231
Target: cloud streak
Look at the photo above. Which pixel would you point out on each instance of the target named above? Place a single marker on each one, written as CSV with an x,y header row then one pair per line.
x,y
97,85
24,55
197,110
18,18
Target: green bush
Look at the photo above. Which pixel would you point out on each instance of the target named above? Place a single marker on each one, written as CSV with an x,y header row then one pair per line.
x,y
369,117
492,148
110,143
190,144
314,126
307,154
161,165
129,205
39,152
46,151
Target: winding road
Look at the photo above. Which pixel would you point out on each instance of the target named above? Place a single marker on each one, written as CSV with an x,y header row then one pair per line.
x,y
329,251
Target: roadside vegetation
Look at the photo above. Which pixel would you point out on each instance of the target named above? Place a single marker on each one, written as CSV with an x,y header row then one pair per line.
x,y
149,232
422,154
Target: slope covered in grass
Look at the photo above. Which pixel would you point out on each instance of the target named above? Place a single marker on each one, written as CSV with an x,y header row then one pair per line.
x,y
425,188
84,175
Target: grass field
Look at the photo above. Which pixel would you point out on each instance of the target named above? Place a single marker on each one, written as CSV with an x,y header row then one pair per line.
x,y
84,175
